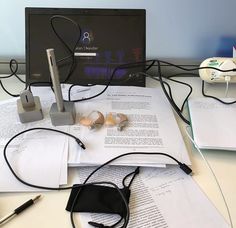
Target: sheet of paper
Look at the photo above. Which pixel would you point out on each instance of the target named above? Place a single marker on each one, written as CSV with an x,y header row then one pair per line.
x,y
47,97
159,198
37,160
152,128
9,120
8,183
213,123
64,165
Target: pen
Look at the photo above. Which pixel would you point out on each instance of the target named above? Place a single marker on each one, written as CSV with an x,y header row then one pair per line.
x,y
19,209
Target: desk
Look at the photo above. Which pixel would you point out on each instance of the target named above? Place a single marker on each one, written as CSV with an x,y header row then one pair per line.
x,y
49,211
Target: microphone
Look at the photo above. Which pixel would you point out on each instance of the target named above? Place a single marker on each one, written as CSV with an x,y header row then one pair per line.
x,y
61,113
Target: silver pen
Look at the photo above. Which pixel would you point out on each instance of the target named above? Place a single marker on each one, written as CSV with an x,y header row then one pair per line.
x,y
19,209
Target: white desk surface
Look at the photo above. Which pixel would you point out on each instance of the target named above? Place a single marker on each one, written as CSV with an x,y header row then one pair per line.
x,y
50,210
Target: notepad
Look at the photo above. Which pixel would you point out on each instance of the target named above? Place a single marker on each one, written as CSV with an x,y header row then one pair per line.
x,y
213,123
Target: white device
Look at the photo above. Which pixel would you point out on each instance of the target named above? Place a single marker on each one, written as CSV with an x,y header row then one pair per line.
x,y
61,113
216,76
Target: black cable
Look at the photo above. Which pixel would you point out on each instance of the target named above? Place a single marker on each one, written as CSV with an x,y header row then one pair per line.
x,y
61,188
13,70
123,66
192,69
13,73
11,169
152,63
184,83
169,88
71,51
39,83
182,75
150,66
176,108
183,166
138,64
189,93
155,78
209,96
6,91
134,173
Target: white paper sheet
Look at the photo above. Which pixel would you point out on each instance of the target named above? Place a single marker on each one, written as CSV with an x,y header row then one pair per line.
x,y
9,121
152,128
11,125
213,123
38,160
64,163
159,198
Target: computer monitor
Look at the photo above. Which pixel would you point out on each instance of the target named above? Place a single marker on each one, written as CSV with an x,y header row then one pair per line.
x,y
109,38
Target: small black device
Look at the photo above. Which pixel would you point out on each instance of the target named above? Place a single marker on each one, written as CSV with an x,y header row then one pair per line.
x,y
109,38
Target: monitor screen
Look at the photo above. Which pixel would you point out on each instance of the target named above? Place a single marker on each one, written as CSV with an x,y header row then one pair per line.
x,y
109,38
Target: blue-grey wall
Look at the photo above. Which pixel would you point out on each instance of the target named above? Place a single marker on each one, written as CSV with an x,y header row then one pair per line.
x,y
193,29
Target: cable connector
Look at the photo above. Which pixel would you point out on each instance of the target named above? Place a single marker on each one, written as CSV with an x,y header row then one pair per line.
x,y
185,168
80,143
99,225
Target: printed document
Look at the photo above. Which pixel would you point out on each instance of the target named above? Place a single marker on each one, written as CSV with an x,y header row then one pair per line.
x,y
160,198
151,128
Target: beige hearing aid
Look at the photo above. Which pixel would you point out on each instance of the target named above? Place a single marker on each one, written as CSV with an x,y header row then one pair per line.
x,y
122,121
110,120
94,120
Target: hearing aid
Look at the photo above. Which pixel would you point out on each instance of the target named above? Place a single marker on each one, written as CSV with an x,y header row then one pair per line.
x,y
93,121
122,121
110,120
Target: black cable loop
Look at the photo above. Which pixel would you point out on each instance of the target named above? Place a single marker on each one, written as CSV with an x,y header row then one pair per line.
x,y
209,96
157,79
190,92
13,172
176,108
71,51
13,71
134,173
